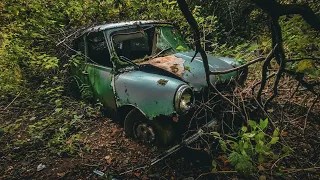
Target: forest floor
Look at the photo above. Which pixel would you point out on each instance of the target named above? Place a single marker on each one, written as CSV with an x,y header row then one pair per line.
x,y
112,152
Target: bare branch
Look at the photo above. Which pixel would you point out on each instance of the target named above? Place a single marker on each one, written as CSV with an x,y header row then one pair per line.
x,y
299,78
309,110
256,84
192,22
305,11
275,9
237,68
306,58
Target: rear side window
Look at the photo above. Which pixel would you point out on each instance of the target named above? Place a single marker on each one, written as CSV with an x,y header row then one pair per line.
x,y
98,50
79,45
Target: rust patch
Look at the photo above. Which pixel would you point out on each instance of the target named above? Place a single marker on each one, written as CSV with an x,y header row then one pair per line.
x,y
162,82
169,63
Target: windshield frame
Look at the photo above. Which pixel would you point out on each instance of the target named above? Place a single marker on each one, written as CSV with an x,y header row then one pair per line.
x,y
111,32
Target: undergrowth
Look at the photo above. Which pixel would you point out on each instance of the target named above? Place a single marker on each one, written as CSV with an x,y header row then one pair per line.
x,y
253,149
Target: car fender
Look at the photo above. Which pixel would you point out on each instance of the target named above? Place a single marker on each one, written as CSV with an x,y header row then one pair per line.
x,y
152,94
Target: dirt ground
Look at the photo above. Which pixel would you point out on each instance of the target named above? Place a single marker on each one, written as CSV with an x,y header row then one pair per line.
x,y
111,152
114,153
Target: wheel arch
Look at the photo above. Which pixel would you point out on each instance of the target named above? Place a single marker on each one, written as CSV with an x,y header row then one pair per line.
x,y
124,110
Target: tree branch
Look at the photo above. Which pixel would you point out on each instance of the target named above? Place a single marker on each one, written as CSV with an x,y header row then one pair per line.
x,y
264,76
237,68
193,24
275,9
306,58
305,11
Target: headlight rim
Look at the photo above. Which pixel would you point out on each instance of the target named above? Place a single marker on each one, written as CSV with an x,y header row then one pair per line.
x,y
177,100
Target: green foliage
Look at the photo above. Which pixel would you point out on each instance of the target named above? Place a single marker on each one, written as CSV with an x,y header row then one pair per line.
x,y
32,64
53,121
252,147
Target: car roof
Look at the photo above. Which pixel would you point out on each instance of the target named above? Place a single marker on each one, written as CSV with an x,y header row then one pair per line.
x,y
121,24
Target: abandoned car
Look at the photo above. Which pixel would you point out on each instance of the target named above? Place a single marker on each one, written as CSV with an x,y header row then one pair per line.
x,y
143,75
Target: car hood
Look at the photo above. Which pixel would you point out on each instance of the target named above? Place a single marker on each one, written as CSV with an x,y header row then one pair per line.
x,y
193,72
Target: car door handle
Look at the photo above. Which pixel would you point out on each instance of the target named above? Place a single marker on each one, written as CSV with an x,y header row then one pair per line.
x,y
85,72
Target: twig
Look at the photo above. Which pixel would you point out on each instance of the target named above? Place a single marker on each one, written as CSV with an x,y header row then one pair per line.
x,y
309,110
306,58
265,112
256,84
216,172
92,165
299,78
298,170
12,100
67,37
275,163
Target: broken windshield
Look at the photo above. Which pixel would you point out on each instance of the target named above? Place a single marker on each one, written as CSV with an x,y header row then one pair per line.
x,y
170,38
139,45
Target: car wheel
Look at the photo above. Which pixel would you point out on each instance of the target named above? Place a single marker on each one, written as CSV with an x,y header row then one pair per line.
x,y
137,126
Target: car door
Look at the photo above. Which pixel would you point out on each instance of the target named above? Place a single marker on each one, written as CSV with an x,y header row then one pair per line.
x,y
99,69
78,68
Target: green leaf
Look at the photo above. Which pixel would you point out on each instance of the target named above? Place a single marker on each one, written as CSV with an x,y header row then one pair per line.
x,y
180,48
58,109
214,164
223,145
32,119
274,140
259,136
214,133
245,145
244,129
249,135
260,158
270,110
252,124
263,124
58,102
275,132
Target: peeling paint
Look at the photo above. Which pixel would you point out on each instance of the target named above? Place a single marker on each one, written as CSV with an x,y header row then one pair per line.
x,y
162,82
151,87
142,90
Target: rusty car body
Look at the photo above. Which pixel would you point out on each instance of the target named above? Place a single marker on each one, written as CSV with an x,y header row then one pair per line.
x,y
143,75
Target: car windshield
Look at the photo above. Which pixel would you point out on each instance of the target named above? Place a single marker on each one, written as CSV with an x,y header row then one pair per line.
x,y
142,44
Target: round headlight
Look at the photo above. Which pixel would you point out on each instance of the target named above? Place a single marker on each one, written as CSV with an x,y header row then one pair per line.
x,y
184,99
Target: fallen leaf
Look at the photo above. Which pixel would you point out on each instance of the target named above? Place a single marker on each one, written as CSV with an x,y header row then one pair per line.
x,y
69,141
284,133
61,174
267,164
261,168
262,177
109,160
107,157
137,174
114,132
226,168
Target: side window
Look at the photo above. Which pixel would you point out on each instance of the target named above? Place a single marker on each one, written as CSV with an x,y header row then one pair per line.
x,y
98,49
79,45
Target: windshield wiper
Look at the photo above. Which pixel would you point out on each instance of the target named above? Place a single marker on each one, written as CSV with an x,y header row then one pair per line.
x,y
125,59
